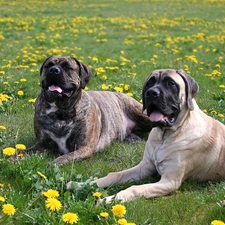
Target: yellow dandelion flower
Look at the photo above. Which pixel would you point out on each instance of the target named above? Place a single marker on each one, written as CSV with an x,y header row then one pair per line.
x,y
41,175
221,115
16,82
8,209
104,214
1,185
97,194
104,77
6,83
9,151
53,204
105,87
32,100
129,94
217,222
23,80
21,155
20,93
126,87
21,147
122,222
2,199
86,88
70,218
2,127
51,193
218,66
220,59
204,110
94,58
118,89
119,210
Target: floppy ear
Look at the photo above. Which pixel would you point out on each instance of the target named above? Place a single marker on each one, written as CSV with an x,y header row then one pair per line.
x,y
143,98
191,88
43,64
85,73
143,93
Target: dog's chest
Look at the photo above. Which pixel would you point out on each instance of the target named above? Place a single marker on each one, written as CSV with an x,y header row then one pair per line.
x,y
163,156
58,129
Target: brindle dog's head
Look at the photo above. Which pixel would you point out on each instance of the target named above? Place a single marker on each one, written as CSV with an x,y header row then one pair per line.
x,y
167,93
62,79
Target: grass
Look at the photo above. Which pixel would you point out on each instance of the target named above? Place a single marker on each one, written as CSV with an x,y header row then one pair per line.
x,y
124,41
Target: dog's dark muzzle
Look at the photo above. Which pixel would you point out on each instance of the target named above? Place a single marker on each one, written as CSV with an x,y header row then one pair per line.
x,y
55,70
55,86
161,110
55,76
153,93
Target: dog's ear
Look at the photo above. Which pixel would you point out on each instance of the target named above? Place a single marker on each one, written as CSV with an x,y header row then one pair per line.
x,y
85,73
143,93
44,64
191,88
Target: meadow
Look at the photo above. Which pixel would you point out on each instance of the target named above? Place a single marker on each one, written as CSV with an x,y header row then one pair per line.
x,y
122,41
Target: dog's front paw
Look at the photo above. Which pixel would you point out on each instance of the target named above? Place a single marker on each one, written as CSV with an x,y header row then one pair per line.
x,y
59,161
108,199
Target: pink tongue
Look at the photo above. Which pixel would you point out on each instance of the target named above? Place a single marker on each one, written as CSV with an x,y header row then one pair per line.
x,y
55,88
156,116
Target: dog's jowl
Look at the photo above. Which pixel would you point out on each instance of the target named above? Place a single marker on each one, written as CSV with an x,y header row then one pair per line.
x,y
78,123
185,143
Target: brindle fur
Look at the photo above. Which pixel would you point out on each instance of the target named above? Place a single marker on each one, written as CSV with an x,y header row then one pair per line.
x,y
86,122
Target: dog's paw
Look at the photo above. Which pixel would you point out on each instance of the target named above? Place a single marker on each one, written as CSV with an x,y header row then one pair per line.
x,y
132,138
108,199
58,161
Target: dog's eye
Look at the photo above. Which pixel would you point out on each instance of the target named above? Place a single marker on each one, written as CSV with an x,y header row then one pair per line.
x,y
67,66
48,65
151,81
171,83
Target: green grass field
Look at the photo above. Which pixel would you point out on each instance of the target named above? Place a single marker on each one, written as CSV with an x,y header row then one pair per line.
x,y
122,41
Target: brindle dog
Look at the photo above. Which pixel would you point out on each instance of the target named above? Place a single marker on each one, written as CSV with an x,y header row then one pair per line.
x,y
78,123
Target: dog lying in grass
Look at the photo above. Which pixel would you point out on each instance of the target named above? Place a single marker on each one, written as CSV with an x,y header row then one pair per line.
x,y
185,143
78,123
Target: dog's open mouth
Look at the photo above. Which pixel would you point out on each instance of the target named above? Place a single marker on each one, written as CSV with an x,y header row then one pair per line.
x,y
159,118
56,89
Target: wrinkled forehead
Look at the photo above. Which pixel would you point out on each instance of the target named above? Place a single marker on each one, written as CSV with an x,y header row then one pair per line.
x,y
163,73
56,60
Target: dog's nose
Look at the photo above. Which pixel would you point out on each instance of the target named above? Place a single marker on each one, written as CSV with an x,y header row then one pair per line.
x,y
54,70
153,92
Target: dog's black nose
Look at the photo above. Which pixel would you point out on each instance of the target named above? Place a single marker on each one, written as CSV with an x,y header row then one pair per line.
x,y
153,92
54,70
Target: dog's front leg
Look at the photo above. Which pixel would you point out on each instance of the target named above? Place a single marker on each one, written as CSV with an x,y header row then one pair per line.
x,y
138,172
78,155
161,188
